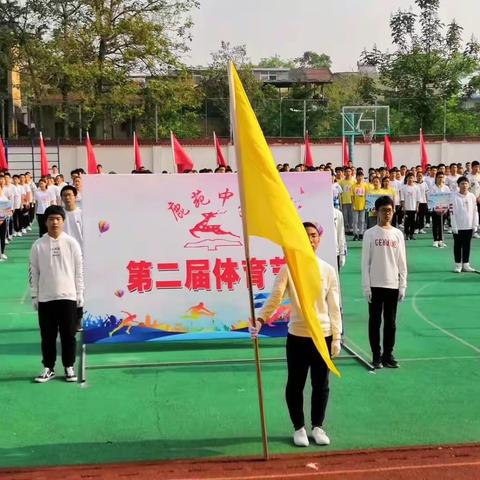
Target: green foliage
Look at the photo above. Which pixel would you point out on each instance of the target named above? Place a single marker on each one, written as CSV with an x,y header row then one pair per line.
x,y
275,62
428,66
311,59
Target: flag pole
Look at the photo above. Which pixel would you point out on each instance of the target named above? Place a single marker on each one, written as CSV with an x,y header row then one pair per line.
x,y
246,242
173,153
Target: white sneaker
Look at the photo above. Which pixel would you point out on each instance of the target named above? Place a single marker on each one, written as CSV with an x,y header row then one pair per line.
x,y
416,231
427,225
467,268
29,228
320,436
300,438
19,234
45,376
7,241
449,230
70,375
442,244
436,244
24,231
422,231
4,256
457,268
476,235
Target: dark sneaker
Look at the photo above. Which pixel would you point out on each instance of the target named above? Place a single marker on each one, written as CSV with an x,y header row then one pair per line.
x,y
377,364
390,363
45,376
70,375
360,237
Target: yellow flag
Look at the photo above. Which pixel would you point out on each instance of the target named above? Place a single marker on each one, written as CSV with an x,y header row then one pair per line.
x,y
269,211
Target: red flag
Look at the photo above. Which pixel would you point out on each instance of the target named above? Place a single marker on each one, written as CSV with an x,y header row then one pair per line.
x,y
345,152
423,152
44,168
182,160
91,160
387,153
138,158
3,156
308,160
218,147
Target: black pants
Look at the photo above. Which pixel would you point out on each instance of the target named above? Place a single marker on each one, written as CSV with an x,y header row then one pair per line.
x,y
3,234
437,227
461,245
41,224
384,301
25,217
31,213
17,220
409,228
398,215
53,317
422,213
302,355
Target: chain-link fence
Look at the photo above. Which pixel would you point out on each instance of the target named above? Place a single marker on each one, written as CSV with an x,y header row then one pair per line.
x,y
279,118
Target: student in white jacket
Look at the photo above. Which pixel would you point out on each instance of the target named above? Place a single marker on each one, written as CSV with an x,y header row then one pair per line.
x,y
302,355
56,284
464,222
73,225
384,279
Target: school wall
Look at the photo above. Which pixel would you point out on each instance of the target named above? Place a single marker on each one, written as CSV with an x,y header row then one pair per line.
x,y
159,157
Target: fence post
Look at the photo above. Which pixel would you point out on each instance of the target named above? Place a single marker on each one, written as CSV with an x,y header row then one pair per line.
x,y
444,119
80,130
156,122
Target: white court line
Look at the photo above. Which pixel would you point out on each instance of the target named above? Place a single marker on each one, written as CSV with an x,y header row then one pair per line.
x,y
426,320
18,313
463,357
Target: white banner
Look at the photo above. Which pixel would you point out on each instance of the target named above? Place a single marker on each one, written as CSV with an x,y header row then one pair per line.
x,y
165,260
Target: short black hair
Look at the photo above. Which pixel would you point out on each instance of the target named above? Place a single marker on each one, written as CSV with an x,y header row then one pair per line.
x,y
54,210
462,179
316,226
383,202
474,163
69,187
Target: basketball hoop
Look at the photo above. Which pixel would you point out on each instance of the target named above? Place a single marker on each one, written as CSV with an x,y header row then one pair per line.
x,y
367,136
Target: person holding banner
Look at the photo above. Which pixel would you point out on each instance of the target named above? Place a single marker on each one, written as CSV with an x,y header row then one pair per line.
x,y
302,354
384,280
438,193
464,222
56,285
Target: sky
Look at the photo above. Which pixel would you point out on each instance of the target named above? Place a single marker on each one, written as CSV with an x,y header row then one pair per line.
x,y
339,28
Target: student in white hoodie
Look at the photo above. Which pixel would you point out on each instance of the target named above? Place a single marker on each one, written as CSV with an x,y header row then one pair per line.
x,y
302,355
56,284
464,222
384,280
73,225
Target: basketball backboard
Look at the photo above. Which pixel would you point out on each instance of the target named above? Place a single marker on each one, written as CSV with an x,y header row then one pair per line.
x,y
365,120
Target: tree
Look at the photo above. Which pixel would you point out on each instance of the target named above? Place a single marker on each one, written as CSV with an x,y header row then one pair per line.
x,y
275,62
428,66
311,59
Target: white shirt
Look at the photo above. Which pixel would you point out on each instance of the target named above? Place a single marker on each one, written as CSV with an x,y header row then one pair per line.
x,y
430,181
341,244
56,270
397,185
451,182
17,197
464,212
73,225
384,260
54,193
474,184
327,306
410,196
43,201
422,192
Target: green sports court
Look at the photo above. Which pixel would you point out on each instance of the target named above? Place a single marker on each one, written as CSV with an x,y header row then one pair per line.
x,y
189,408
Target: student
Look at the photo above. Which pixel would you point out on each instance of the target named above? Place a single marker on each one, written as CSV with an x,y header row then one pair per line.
x,y
437,217
340,241
336,192
373,189
302,355
17,207
464,222
359,195
3,221
8,191
346,200
384,280
43,200
474,179
410,200
73,225
452,178
396,185
422,203
56,284
77,183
